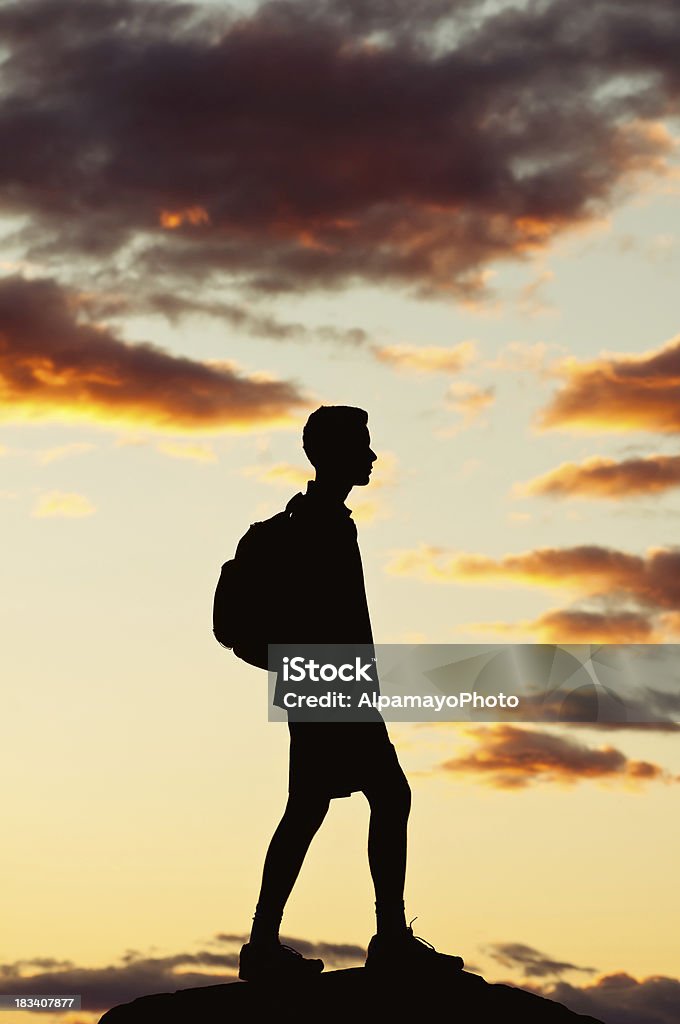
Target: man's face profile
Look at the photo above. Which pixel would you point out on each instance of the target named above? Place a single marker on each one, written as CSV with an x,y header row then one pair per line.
x,y
350,457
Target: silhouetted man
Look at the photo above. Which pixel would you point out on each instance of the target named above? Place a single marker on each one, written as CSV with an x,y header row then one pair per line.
x,y
324,601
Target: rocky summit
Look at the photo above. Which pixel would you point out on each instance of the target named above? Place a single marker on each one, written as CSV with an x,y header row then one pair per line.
x,y
354,996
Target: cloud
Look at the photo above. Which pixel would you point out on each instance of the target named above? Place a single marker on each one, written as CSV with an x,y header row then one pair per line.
x,y
576,626
523,356
590,569
618,392
630,598
175,307
187,450
469,400
616,998
334,954
509,757
621,999
60,504
367,512
171,219
606,478
532,963
55,366
671,622
280,473
531,300
64,451
427,358
304,146
587,566
138,974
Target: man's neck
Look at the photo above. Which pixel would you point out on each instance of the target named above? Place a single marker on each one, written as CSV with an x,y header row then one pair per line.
x,y
331,489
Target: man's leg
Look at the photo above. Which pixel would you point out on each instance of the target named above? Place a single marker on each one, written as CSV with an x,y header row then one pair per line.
x,y
301,820
390,803
395,947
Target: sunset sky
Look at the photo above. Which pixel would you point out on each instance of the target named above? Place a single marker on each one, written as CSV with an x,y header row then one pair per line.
x,y
459,216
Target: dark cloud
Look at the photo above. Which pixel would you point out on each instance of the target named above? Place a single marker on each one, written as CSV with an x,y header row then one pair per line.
x,y
510,757
334,954
621,999
321,144
55,365
136,975
607,478
18,967
573,625
622,393
532,963
175,307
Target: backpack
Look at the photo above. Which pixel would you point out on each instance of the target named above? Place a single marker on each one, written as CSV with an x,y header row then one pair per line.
x,y
245,602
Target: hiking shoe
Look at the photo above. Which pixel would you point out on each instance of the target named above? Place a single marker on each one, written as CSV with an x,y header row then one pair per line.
x,y
408,952
262,963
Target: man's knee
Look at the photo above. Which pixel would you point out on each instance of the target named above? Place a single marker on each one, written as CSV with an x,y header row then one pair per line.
x,y
390,792
308,809
403,794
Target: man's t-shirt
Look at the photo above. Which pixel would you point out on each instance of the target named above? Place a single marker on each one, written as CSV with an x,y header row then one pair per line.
x,y
325,578
328,606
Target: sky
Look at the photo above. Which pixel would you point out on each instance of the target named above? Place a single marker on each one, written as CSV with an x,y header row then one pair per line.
x,y
460,217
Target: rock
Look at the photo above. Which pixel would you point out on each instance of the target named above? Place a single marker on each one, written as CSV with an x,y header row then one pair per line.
x,y
352,996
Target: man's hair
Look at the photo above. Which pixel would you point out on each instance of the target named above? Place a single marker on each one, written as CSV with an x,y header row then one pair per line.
x,y
326,430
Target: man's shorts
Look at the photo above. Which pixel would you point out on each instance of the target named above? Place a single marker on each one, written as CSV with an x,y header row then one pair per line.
x,y
336,759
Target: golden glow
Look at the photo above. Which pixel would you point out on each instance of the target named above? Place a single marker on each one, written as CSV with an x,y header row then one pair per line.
x,y
173,219
427,358
63,505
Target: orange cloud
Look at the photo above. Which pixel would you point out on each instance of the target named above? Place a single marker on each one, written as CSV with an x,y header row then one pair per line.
x,y
281,473
618,393
58,504
367,512
578,626
427,358
172,219
649,583
56,366
606,478
512,757
468,399
581,568
671,622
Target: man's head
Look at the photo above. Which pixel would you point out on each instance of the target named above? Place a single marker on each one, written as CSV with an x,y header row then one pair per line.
x,y
337,443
